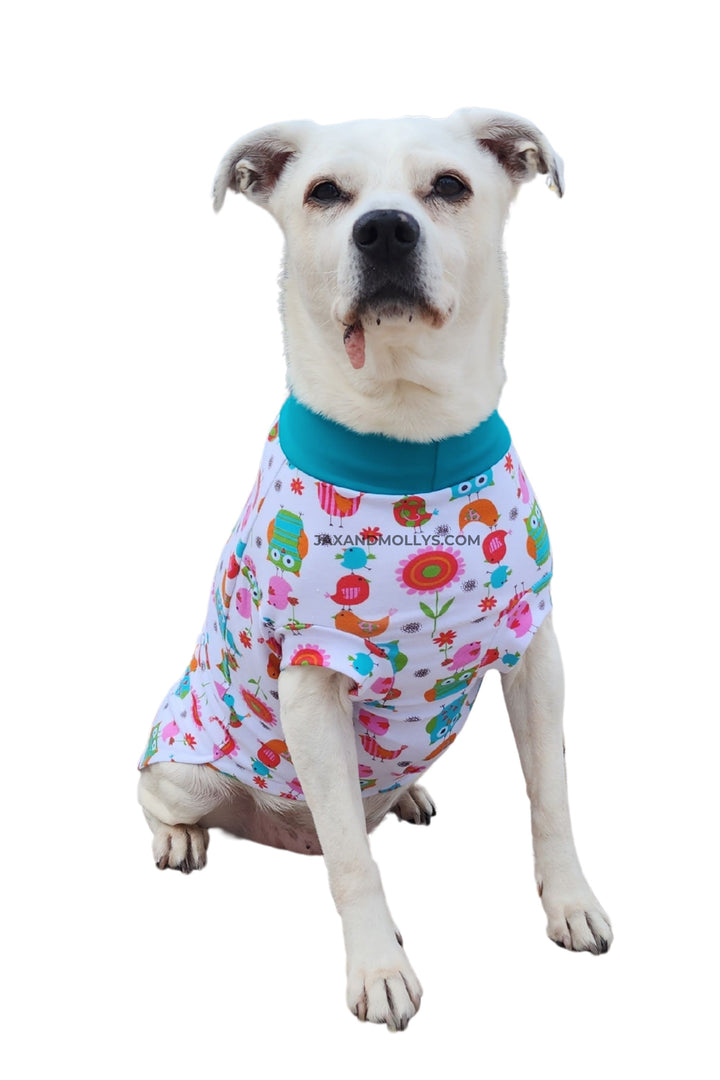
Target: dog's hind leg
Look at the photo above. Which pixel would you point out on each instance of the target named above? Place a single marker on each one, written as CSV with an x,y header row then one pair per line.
x,y
175,798
534,697
317,721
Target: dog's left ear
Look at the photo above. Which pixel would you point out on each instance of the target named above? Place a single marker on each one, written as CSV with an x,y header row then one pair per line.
x,y
521,149
254,164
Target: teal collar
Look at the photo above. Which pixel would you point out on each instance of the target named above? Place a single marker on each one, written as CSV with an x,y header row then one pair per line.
x,y
375,463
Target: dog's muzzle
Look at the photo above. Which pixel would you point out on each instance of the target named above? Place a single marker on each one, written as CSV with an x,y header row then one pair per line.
x,y
389,274
387,245
386,242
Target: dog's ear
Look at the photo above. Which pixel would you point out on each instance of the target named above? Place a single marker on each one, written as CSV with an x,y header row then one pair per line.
x,y
254,164
521,149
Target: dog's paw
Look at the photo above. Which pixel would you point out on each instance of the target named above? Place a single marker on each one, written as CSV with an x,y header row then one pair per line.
x,y
576,921
386,995
415,806
180,847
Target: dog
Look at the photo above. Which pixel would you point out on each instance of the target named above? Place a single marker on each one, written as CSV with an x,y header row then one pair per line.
x,y
391,551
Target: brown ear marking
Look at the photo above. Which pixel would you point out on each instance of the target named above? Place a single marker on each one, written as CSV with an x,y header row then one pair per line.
x,y
517,145
254,164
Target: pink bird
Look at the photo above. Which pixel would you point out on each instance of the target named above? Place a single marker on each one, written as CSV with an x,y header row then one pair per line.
x,y
465,655
523,490
278,592
373,723
242,603
520,619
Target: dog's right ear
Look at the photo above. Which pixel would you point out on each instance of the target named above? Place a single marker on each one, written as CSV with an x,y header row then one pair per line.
x,y
254,164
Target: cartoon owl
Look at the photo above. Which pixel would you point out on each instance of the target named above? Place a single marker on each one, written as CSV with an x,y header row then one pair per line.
x,y
472,486
288,542
538,543
451,684
440,726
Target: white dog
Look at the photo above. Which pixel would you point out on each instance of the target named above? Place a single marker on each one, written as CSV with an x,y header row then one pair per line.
x,y
393,482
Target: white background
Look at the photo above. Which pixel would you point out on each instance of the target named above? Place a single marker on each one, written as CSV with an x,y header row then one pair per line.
x,y
143,364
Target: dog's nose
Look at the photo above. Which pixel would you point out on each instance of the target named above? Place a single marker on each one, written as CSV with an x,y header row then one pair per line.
x,y
386,236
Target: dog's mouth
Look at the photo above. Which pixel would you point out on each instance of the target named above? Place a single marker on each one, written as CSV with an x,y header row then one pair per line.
x,y
385,305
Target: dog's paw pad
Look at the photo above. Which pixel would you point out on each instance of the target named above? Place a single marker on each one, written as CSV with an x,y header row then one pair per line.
x,y
180,847
415,806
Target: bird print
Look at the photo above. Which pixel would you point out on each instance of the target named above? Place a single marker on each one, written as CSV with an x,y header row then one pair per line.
x,y
538,543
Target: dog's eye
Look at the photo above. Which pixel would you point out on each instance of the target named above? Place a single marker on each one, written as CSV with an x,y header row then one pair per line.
x,y
449,187
326,192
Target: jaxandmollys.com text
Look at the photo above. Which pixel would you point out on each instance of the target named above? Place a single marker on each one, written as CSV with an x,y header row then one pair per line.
x,y
416,539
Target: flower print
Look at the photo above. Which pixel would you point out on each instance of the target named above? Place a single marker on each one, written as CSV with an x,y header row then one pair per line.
x,y
370,533
488,603
260,781
310,654
245,639
190,740
431,570
297,485
258,707
444,642
509,463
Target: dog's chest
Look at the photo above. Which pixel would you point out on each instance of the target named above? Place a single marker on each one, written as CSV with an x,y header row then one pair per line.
x,y
414,596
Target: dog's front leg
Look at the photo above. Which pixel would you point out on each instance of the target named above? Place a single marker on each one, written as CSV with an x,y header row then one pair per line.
x,y
318,725
534,697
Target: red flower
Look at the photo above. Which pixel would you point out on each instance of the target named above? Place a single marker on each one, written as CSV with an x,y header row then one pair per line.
x,y
245,639
371,533
260,781
297,485
190,740
446,638
488,603
508,463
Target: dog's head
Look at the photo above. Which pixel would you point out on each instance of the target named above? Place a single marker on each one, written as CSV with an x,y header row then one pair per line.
x,y
393,227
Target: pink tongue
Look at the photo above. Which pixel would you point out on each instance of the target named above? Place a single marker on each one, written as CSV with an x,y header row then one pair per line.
x,y
354,341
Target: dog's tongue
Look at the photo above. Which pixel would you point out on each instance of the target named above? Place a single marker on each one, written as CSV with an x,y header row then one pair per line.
x,y
354,342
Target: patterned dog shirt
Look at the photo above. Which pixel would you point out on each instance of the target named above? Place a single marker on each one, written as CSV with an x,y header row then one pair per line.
x,y
411,568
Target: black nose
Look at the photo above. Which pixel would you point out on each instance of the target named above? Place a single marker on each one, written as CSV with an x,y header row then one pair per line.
x,y
386,236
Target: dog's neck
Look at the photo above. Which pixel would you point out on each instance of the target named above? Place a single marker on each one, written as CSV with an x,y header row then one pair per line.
x,y
418,383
